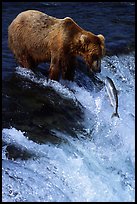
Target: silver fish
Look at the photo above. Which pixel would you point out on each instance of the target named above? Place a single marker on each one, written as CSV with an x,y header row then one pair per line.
x,y
113,95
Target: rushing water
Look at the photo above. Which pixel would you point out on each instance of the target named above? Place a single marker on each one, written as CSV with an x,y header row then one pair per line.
x,y
59,140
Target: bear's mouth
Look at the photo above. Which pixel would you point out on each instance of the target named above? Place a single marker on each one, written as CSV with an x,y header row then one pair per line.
x,y
96,66
93,70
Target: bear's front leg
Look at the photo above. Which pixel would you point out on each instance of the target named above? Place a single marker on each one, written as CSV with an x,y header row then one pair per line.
x,y
68,68
54,72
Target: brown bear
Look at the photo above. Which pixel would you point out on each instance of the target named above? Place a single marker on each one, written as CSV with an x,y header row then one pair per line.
x,y
35,37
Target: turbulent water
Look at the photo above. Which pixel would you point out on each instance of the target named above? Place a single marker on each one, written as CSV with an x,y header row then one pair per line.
x,y
59,140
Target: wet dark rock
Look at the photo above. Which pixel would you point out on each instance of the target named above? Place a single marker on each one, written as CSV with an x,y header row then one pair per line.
x,y
39,111
18,152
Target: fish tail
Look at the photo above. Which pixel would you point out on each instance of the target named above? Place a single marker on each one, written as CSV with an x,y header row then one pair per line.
x,y
115,114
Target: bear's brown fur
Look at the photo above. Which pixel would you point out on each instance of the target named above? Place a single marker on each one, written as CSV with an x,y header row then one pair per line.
x,y
35,37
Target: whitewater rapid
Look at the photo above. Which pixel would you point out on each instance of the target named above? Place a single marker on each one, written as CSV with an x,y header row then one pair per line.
x,y
97,166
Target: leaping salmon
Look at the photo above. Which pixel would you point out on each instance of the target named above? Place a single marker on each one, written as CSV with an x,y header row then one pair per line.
x,y
113,95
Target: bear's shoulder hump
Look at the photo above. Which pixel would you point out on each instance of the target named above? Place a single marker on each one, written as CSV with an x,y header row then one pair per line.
x,y
68,20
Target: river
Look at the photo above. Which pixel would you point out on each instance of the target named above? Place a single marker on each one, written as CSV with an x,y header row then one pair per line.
x,y
59,142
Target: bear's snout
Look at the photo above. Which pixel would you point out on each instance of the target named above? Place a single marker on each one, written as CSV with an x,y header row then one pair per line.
x,y
96,66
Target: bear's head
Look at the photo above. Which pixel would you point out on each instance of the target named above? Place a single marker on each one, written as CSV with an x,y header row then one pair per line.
x,y
92,49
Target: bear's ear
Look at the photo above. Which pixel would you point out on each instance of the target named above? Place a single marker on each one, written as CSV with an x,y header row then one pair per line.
x,y
101,37
83,38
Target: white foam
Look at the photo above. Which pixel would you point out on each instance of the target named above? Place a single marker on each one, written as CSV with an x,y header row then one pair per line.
x,y
42,81
98,167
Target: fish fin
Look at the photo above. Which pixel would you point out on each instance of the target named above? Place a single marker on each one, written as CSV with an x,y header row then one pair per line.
x,y
115,115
